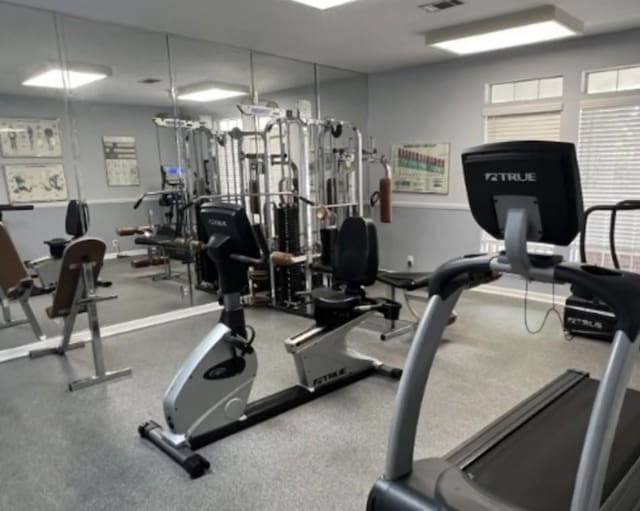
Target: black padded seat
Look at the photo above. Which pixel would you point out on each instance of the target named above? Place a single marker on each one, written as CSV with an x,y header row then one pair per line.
x,y
154,241
163,236
409,281
76,225
334,299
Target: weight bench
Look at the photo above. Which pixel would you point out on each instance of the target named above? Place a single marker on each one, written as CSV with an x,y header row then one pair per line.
x,y
160,246
15,286
407,281
76,293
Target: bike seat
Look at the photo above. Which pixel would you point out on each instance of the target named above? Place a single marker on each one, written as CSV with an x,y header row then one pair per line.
x,y
333,299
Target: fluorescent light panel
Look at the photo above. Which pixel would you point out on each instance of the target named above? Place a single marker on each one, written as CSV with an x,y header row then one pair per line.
x,y
212,94
55,78
546,23
323,4
211,91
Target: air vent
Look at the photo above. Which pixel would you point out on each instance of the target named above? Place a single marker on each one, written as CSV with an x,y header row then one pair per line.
x,y
440,5
149,81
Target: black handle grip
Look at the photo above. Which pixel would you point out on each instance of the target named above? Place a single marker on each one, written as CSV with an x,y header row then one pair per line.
x,y
138,202
262,244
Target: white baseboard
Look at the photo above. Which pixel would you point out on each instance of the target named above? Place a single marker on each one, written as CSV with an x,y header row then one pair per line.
x,y
125,253
112,330
519,294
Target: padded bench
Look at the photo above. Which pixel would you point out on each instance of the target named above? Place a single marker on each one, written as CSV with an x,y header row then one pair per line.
x,y
407,282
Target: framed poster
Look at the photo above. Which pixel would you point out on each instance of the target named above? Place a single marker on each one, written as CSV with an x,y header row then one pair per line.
x,y
30,138
121,161
421,168
36,182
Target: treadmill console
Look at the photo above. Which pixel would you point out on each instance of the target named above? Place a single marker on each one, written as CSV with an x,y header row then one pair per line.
x,y
539,177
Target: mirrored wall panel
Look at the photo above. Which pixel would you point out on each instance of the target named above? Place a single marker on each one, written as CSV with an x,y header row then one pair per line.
x,y
36,170
119,89
113,140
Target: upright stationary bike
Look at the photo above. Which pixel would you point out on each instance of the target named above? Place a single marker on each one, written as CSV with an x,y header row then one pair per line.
x,y
208,398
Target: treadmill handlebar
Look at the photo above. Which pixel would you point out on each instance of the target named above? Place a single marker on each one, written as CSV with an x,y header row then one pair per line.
x,y
465,272
619,289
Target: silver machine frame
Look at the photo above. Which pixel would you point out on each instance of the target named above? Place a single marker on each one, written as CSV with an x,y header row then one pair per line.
x,y
30,317
313,137
86,297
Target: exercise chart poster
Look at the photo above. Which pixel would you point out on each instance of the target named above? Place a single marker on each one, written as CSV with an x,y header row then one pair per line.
x,y
421,168
30,138
121,161
36,182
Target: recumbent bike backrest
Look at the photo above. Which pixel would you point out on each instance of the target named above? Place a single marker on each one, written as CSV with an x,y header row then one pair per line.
x,y
355,259
77,218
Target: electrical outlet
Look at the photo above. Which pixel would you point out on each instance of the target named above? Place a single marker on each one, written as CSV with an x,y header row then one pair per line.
x,y
410,261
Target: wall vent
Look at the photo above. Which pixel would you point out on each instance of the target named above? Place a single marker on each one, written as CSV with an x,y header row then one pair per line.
x,y
440,5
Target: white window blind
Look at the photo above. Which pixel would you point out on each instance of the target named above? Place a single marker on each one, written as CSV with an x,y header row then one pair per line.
x,y
528,126
535,126
609,155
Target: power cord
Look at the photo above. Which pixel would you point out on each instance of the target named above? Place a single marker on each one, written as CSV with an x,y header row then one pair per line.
x,y
552,310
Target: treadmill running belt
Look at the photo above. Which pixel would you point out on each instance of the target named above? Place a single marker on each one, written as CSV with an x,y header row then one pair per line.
x,y
535,467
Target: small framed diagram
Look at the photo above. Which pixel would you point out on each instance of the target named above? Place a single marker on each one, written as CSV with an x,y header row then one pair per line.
x,y
121,161
35,182
421,168
30,138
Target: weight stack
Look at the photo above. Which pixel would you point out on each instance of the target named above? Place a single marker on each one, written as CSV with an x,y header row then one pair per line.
x,y
289,279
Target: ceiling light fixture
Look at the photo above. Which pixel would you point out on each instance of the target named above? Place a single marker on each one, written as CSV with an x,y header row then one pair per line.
x,y
323,4
211,91
54,77
546,23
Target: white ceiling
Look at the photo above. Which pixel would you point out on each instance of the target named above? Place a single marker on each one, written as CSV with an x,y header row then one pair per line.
x,y
365,35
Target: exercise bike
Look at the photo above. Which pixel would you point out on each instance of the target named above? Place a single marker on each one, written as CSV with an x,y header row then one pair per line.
x,y
208,398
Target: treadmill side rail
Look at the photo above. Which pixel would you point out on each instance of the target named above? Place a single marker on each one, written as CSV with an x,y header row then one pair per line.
x,y
603,423
413,384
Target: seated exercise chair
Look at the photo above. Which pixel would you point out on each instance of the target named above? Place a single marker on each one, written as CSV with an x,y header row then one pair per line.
x,y
76,293
15,286
209,397
76,225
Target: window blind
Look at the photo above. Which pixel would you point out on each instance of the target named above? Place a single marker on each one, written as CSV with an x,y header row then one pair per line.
x,y
538,126
609,155
532,126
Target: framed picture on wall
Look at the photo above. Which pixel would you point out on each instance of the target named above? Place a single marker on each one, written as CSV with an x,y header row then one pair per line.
x,y
36,182
30,138
421,168
121,161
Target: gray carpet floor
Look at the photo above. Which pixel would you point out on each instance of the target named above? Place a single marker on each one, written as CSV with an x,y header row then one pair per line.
x,y
138,296
80,451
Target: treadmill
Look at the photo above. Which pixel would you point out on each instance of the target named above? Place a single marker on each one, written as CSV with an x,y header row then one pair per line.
x,y
574,444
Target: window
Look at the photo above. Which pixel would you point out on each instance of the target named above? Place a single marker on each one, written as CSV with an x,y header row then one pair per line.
x,y
526,90
609,155
613,80
539,120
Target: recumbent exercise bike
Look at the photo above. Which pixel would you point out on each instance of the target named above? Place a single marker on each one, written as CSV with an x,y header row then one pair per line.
x,y
208,398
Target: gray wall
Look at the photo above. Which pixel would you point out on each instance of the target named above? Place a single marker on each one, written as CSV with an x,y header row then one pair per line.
x,y
444,102
109,206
